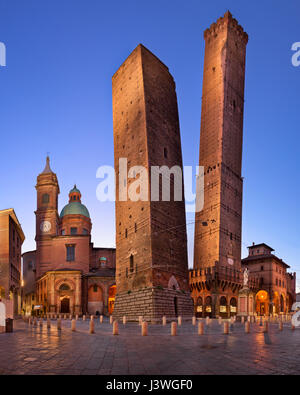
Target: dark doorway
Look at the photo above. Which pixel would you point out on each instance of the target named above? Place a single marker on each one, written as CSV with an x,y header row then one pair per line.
x,y
65,306
176,306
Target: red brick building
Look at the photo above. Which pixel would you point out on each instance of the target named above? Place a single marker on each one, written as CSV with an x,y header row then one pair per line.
x,y
11,240
71,275
276,290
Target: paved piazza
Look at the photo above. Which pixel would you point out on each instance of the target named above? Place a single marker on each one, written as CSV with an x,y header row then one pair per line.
x,y
35,350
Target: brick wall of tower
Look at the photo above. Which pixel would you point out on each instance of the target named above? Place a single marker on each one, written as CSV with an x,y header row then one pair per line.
x,y
130,141
146,132
221,145
169,241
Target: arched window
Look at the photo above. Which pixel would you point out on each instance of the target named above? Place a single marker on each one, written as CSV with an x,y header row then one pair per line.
x,y
64,287
208,301
223,301
95,289
233,302
45,198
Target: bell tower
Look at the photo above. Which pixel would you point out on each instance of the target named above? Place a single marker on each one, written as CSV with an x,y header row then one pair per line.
x,y
46,216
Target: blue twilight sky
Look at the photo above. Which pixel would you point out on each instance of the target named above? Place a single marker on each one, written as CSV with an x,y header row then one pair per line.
x,y
56,97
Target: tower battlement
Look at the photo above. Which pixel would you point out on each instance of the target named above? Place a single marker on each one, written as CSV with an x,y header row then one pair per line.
x,y
225,22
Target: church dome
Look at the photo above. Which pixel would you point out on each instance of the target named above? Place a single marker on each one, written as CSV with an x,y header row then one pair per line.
x,y
75,207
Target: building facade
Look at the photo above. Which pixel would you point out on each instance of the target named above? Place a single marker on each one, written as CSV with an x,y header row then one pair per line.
x,y
11,240
28,290
151,260
71,275
217,278
276,291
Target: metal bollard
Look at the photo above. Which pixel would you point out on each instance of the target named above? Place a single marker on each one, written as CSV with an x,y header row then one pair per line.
x,y
194,320
164,320
124,320
179,321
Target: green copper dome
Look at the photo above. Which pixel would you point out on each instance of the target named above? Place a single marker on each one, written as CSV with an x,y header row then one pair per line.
x,y
75,190
75,208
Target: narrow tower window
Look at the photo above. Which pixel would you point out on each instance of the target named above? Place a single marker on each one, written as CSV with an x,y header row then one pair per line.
x,y
45,198
131,263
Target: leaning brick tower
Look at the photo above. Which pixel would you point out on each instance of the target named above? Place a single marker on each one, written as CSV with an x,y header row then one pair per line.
x,y
221,145
217,277
151,242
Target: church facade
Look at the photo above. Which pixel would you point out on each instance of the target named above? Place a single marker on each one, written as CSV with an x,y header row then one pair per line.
x,y
66,273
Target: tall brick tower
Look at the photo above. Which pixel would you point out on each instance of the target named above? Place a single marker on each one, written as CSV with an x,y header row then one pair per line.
x,y
218,226
151,255
47,218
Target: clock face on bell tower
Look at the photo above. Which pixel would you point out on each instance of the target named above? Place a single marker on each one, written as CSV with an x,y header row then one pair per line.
x,y
45,226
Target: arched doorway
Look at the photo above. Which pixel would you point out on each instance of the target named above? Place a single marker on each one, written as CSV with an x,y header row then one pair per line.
x,y
262,303
95,300
199,307
208,306
233,306
65,306
223,307
111,298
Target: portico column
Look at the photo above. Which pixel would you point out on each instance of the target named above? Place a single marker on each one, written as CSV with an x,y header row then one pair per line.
x,y
78,307
52,294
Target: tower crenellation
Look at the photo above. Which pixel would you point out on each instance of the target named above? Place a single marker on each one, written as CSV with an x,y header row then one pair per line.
x,y
225,22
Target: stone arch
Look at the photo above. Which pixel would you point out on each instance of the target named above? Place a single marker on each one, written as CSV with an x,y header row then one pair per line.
x,y
111,298
233,306
173,283
67,281
223,306
199,306
262,302
208,306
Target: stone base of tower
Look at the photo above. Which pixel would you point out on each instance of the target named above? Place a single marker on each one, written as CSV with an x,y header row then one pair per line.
x,y
152,304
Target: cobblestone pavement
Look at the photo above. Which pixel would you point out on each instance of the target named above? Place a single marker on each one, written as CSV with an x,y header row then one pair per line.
x,y
35,350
